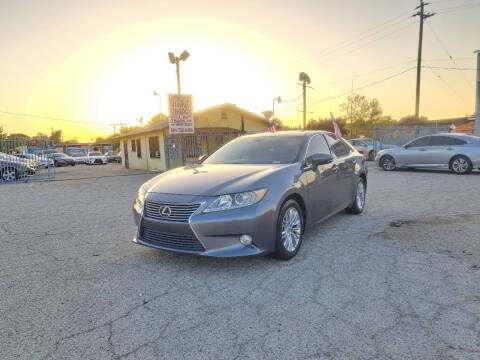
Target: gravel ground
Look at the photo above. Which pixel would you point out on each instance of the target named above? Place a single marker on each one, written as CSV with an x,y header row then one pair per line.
x,y
400,281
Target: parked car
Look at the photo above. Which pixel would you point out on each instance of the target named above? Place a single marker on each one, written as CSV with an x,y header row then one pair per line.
x,y
96,157
255,195
12,168
366,147
113,156
61,159
458,152
79,158
40,161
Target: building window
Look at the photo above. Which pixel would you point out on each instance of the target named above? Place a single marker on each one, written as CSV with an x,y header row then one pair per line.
x,y
224,115
191,146
133,146
139,149
154,147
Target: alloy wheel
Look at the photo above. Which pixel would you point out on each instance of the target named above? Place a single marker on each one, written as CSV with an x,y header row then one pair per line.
x,y
360,197
460,165
291,229
8,174
388,163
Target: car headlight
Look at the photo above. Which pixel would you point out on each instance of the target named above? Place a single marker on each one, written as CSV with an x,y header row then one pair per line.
x,y
142,192
235,201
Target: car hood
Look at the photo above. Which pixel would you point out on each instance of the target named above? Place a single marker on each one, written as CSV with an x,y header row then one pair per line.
x,y
213,179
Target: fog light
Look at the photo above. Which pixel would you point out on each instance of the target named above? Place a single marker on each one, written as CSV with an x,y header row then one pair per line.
x,y
246,240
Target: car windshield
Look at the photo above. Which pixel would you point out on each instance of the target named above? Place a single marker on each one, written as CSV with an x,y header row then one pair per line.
x,y
95,153
60,155
259,150
77,155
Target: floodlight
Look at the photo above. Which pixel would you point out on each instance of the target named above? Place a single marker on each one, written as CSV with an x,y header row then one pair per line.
x,y
171,57
184,55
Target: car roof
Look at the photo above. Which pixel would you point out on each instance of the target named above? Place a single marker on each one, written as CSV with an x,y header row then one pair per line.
x,y
299,133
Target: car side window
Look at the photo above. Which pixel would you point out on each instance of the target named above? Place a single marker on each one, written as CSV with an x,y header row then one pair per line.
x,y
337,146
423,141
317,145
445,141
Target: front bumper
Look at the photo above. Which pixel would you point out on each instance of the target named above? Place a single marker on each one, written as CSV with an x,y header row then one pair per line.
x,y
217,233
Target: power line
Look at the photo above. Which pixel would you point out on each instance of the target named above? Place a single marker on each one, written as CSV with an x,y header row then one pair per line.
x,y
362,87
51,118
448,54
457,8
356,38
364,44
450,68
449,86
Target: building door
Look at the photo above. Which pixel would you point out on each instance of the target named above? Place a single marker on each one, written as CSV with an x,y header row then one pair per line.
x,y
125,152
174,153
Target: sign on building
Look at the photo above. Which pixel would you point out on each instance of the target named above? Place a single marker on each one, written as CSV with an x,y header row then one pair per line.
x,y
180,114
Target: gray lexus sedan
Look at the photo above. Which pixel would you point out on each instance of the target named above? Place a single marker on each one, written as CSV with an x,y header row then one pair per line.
x,y
458,152
255,195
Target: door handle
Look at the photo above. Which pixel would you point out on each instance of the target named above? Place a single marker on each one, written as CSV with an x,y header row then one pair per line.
x,y
422,149
449,149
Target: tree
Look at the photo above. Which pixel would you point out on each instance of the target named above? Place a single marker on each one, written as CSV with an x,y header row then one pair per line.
x,y
157,118
72,141
57,136
326,124
3,135
362,111
410,120
40,135
18,136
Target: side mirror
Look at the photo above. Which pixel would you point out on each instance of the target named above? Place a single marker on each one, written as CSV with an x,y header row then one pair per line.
x,y
405,146
202,158
318,159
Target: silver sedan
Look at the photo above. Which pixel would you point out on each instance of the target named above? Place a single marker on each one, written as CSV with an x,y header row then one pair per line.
x,y
458,152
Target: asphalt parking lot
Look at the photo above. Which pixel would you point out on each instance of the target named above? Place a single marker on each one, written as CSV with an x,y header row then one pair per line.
x,y
400,281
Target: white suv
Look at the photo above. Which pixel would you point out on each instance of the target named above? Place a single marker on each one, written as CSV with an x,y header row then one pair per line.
x,y
96,157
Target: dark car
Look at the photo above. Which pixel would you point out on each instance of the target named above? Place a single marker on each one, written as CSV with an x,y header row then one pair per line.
x,y
13,168
255,195
112,156
61,159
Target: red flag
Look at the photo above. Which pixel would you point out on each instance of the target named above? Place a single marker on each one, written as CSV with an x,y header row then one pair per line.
x,y
336,128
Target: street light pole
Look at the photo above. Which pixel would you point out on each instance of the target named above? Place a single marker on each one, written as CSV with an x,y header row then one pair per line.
x,y
176,60
279,100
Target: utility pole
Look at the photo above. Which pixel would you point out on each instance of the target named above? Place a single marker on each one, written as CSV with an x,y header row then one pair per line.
x,y
421,13
305,79
477,103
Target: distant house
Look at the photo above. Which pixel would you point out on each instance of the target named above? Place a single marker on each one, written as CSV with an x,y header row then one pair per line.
x,y
464,124
153,148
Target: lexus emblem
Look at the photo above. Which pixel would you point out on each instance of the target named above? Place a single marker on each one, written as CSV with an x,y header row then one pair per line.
x,y
165,211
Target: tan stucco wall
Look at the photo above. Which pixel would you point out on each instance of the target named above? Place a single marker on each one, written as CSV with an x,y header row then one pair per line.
x,y
145,162
233,120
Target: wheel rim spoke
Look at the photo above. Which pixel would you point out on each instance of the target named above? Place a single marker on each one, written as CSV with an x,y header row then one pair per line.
x,y
291,229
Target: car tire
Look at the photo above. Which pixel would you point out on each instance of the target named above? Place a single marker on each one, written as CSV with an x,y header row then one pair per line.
x,y
290,224
371,155
460,165
387,163
8,174
359,199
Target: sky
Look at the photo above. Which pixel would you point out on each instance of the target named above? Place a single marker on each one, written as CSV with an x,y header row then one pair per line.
x,y
97,62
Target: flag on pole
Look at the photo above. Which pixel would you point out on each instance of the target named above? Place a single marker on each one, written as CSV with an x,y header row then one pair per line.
x,y
336,128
